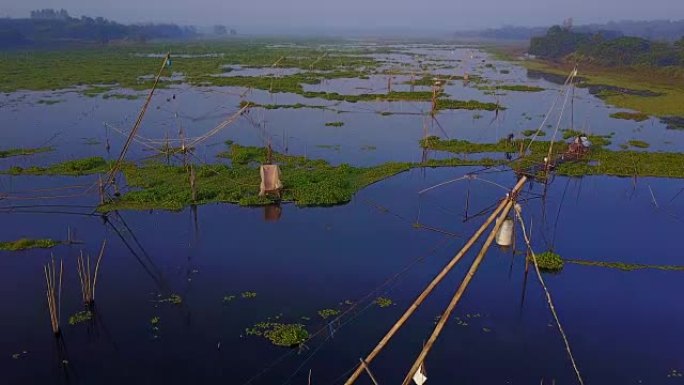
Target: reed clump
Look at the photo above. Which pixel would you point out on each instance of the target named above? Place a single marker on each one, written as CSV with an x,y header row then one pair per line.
x,y
88,276
53,280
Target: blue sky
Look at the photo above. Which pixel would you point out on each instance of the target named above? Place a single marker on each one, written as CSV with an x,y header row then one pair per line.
x,y
447,15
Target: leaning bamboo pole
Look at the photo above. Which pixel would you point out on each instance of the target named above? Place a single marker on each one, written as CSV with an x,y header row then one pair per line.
x,y
438,278
459,293
136,126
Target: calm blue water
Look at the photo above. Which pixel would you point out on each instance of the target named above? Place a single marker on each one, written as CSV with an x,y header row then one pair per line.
x,y
624,327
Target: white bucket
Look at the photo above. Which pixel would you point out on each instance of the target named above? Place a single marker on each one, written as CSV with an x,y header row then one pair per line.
x,y
505,235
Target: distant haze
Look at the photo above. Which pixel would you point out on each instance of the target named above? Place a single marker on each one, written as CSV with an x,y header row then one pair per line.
x,y
413,15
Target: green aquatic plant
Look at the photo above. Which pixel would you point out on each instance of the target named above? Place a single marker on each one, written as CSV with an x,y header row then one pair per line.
x,y
624,266
248,294
334,124
638,144
81,316
636,116
533,132
155,321
228,298
173,299
287,335
452,104
76,167
549,261
325,313
383,302
27,243
24,151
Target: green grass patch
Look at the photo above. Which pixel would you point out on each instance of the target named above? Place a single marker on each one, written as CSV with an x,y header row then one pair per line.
x,y
26,243
334,124
520,88
636,116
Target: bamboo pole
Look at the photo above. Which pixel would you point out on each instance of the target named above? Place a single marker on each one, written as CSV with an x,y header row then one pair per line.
x,y
438,278
136,126
370,374
459,293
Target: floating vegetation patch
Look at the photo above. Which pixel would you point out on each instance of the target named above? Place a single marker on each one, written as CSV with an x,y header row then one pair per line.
x,y
529,133
636,116
173,299
368,148
334,147
91,141
549,261
279,106
383,302
326,313
27,243
334,124
228,298
81,316
605,91
638,144
248,294
452,104
121,96
673,122
624,266
288,335
24,151
521,88
77,167
49,102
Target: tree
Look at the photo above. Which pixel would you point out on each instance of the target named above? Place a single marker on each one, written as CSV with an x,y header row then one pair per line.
x,y
220,30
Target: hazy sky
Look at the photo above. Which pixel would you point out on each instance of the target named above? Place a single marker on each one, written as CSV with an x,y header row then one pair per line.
x,y
364,14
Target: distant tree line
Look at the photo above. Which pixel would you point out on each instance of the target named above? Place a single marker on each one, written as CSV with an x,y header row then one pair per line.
x,y
49,25
608,48
657,30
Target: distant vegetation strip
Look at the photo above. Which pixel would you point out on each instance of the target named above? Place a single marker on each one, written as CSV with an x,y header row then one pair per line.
x,y
24,151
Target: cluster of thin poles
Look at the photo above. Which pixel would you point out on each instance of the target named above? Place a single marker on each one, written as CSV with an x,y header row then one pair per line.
x,y
87,276
54,292
53,279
